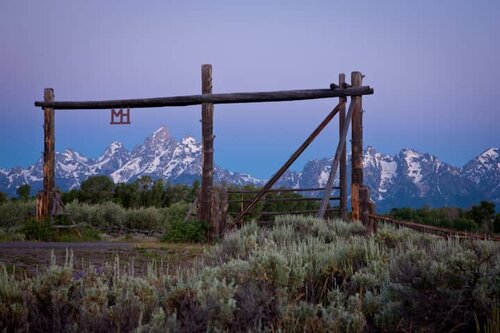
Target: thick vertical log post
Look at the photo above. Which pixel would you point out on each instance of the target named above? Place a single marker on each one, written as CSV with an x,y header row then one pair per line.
x,y
343,157
357,148
48,157
373,222
364,198
218,211
207,118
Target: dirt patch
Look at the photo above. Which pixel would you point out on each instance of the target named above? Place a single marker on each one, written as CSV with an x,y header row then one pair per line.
x,y
32,257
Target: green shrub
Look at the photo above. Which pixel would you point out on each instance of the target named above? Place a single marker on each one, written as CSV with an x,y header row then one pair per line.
x,y
39,231
44,231
80,234
465,225
426,284
83,213
175,212
14,213
109,214
143,218
180,232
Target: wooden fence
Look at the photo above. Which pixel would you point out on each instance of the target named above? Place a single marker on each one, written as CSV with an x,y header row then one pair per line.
x,y
207,99
440,231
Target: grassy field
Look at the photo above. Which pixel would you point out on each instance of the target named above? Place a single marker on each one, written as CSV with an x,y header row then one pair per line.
x,y
301,275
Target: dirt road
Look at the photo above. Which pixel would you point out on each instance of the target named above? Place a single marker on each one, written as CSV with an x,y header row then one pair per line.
x,y
32,257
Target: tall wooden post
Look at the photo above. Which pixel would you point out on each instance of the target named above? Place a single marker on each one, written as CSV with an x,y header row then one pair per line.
x,y
364,198
343,157
48,157
207,117
357,148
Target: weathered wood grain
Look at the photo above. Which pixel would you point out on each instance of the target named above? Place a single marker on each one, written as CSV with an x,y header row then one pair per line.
x,y
48,157
357,148
343,157
207,118
244,97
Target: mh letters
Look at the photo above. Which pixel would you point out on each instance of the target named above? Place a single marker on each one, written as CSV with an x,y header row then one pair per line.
x,y
120,117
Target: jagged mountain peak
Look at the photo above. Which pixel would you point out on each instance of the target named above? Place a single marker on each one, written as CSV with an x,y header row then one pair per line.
x,y
72,155
489,155
155,144
162,134
116,147
492,152
161,156
411,153
484,170
113,158
372,157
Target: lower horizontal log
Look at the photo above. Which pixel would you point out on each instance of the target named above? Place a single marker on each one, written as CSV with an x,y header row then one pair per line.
x,y
274,190
290,213
283,199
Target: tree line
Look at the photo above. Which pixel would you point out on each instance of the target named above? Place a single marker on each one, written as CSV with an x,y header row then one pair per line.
x,y
481,217
147,192
144,192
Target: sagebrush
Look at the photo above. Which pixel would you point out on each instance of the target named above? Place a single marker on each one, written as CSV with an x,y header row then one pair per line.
x,y
301,275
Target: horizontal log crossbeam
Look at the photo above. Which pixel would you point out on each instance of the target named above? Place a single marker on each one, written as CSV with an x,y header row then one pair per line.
x,y
291,212
279,190
229,98
282,199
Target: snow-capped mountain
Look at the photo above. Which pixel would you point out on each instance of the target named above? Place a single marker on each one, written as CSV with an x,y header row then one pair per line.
x,y
407,179
413,179
113,158
160,156
484,172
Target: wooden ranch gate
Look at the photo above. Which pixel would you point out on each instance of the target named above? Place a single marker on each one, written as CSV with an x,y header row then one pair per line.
x,y
359,193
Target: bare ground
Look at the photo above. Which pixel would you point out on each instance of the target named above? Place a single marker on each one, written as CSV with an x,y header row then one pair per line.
x,y
32,257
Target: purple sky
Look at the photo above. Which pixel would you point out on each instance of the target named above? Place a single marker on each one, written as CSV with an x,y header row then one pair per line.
x,y
433,65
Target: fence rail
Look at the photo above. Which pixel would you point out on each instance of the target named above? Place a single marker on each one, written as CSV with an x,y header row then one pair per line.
x,y
242,97
274,190
440,231
282,199
314,211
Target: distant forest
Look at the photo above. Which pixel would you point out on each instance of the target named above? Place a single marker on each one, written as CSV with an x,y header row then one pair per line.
x,y
146,192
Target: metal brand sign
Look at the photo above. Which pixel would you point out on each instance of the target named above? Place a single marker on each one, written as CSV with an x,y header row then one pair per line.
x,y
120,117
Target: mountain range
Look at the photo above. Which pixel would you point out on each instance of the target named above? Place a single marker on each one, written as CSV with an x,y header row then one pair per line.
x,y
407,179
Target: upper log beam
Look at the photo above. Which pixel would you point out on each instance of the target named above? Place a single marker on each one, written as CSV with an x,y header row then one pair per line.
x,y
251,97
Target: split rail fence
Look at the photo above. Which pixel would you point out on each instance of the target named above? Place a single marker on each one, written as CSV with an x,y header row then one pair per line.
x,y
430,229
